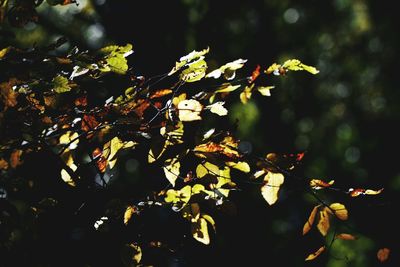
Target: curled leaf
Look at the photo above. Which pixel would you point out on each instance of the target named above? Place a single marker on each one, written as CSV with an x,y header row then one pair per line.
x,y
319,184
323,223
359,191
314,255
241,166
310,221
130,210
228,70
344,236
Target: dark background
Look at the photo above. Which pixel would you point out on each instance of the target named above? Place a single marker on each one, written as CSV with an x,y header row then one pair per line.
x,y
345,118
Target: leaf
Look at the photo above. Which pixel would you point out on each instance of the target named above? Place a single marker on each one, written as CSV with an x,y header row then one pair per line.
x,y
131,255
241,166
228,70
171,169
189,110
7,94
314,255
210,220
200,231
226,88
183,61
3,164
218,108
265,90
245,95
206,168
69,161
310,221
61,84
130,210
227,147
15,158
195,71
71,139
344,236
179,198
323,223
115,58
383,254
255,74
359,191
160,93
319,184
296,65
111,148
272,184
340,211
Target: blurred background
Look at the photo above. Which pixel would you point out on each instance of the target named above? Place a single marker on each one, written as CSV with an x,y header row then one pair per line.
x,y
345,118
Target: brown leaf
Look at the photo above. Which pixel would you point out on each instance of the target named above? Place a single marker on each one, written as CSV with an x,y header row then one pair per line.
x,y
7,94
323,224
160,93
310,221
359,191
89,123
255,74
101,161
344,236
3,164
314,255
383,254
319,184
15,158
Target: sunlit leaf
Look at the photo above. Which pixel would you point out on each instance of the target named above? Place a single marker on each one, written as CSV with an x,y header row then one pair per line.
x,y
218,108
319,184
226,88
112,147
208,134
179,198
195,71
255,74
171,169
241,166
71,139
359,191
314,255
61,84
15,158
245,95
200,231
189,110
340,211
100,159
265,90
183,61
115,58
272,184
323,223
344,236
227,147
160,93
7,94
310,221
296,65
69,161
131,255
210,220
206,168
228,70
383,254
130,210
3,164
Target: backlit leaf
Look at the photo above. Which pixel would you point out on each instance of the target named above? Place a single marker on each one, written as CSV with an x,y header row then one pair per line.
x,y
130,210
383,254
69,138
218,108
189,110
245,95
131,255
241,166
171,169
183,61
323,223
200,231
179,198
195,71
319,184
296,65
310,221
265,90
210,220
226,88
206,168
359,191
228,70
340,211
314,255
272,184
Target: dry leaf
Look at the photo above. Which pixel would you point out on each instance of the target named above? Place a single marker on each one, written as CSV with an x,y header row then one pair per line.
x,y
340,211
383,254
323,223
310,221
130,210
344,236
315,254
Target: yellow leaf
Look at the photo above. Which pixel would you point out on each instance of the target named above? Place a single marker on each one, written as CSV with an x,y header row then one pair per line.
x,y
131,254
373,192
323,224
195,71
69,161
112,147
200,231
183,61
206,168
314,255
228,70
69,138
383,254
210,220
345,237
67,178
179,198
272,184
265,90
130,210
218,108
241,166
189,110
226,88
224,180
197,188
172,169
274,68
296,65
340,211
310,221
246,94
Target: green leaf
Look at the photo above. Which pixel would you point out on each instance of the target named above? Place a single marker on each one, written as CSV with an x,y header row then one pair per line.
x,y
195,71
192,56
115,58
60,84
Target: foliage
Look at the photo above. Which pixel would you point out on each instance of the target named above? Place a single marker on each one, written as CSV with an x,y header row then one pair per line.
x,y
48,106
